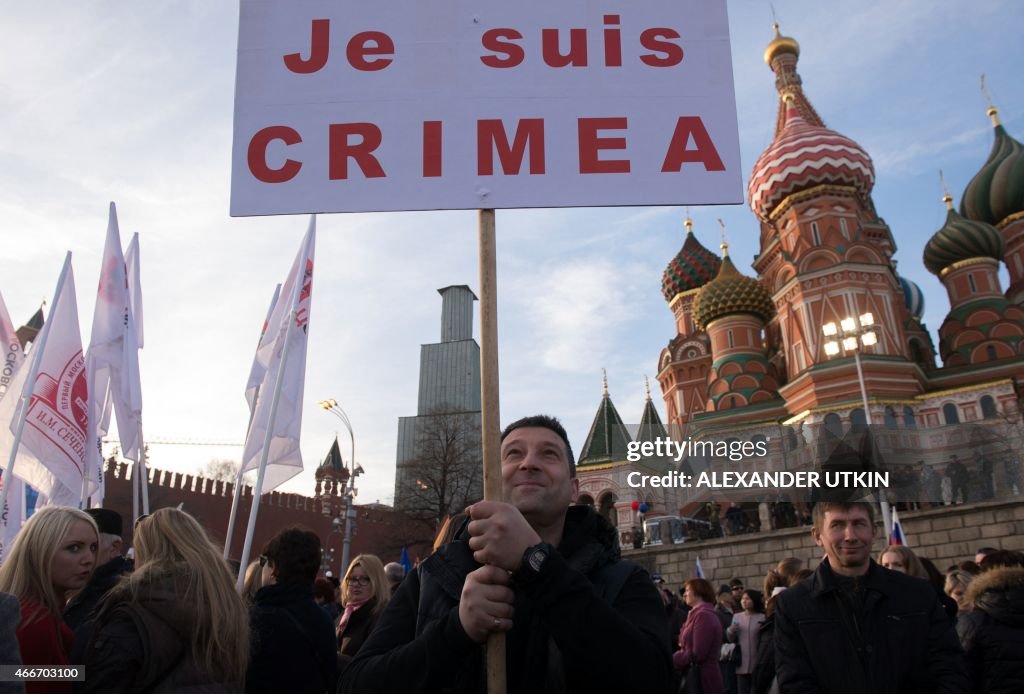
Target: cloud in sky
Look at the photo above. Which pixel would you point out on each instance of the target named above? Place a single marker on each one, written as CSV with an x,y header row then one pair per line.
x,y
132,102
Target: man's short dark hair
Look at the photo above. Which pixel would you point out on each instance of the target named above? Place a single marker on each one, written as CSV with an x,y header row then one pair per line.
x,y
822,507
545,422
295,554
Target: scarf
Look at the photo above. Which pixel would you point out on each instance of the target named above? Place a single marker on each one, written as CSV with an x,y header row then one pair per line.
x,y
351,607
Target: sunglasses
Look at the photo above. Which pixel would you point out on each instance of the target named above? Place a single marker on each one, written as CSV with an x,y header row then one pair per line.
x,y
139,520
358,580
264,559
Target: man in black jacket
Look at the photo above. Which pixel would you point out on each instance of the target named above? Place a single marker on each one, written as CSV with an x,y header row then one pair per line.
x,y
577,618
293,645
856,627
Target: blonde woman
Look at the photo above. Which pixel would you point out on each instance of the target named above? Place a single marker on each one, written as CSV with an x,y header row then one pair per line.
x,y
176,622
365,592
53,555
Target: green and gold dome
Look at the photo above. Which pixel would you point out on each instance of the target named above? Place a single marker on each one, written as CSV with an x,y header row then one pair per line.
x,y
961,239
997,190
693,267
731,292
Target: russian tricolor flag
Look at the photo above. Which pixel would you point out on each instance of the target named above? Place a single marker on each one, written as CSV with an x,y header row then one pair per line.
x,y
897,537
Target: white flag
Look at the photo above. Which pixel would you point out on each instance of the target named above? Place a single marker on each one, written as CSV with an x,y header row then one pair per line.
x,y
13,511
55,403
133,269
289,321
258,371
12,514
113,359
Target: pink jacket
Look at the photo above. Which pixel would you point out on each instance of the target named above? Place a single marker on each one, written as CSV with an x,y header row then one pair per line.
x,y
700,642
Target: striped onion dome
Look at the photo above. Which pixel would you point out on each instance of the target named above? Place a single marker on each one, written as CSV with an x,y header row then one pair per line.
x,y
961,239
997,190
802,156
913,297
694,266
731,292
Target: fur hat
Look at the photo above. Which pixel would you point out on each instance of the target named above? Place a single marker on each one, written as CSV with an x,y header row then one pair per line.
x,y
107,521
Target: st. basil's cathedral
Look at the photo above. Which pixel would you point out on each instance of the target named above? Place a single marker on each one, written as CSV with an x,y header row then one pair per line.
x,y
750,357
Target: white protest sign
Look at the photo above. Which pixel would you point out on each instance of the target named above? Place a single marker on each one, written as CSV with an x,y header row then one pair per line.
x,y
345,106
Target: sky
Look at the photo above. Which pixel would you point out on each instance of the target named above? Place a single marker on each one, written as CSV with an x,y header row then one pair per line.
x,y
132,103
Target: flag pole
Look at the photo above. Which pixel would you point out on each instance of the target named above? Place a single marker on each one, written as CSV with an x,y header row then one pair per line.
x,y
135,489
37,352
258,489
236,497
490,421
232,515
144,477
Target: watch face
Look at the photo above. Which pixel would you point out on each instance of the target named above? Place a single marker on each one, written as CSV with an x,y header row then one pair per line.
x,y
537,558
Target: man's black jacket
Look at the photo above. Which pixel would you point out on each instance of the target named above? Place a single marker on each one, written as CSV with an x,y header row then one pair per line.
x,y
589,623
900,642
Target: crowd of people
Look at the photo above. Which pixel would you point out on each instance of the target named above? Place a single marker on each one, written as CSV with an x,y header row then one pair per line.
x,y
544,572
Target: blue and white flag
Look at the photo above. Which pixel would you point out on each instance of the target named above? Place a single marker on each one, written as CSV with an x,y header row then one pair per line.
x,y
700,569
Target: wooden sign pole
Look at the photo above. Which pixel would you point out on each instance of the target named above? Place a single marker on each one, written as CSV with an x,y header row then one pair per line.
x,y
490,420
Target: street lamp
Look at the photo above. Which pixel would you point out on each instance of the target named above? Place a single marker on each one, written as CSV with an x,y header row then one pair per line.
x,y
334,408
852,335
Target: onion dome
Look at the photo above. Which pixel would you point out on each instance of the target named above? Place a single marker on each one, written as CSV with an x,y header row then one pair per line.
x,y
961,239
802,156
731,292
997,190
779,45
693,267
913,298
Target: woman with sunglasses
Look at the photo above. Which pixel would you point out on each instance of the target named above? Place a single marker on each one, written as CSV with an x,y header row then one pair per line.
x,y
53,556
176,623
365,593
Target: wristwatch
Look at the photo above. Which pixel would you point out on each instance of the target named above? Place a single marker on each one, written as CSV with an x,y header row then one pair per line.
x,y
534,559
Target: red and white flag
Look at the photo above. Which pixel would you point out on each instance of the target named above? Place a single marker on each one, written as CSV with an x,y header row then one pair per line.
x,y
289,322
55,403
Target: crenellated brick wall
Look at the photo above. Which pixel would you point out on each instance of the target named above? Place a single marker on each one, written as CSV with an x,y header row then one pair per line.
x,y
378,530
945,535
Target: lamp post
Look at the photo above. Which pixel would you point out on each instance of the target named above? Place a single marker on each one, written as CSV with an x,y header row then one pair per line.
x,y
852,335
334,408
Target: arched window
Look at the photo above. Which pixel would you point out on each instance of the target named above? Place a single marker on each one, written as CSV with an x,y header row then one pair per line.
x,y
890,417
950,413
834,425
607,508
858,422
909,421
988,407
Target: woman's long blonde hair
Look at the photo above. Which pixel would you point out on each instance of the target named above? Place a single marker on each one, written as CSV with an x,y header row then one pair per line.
x,y
378,579
171,543
27,572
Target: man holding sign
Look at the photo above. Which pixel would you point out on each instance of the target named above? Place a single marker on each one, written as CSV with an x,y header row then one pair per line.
x,y
577,617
